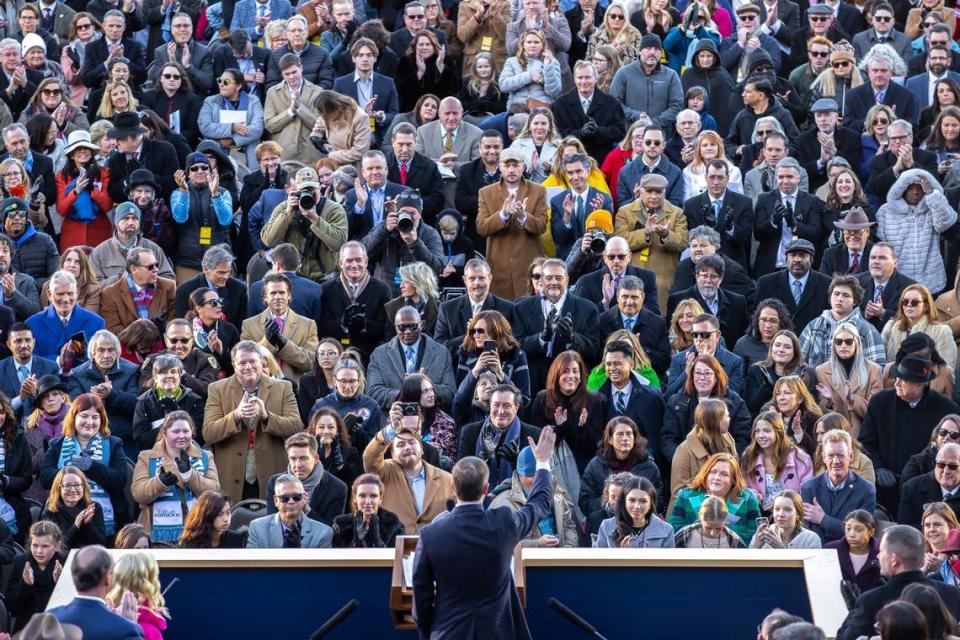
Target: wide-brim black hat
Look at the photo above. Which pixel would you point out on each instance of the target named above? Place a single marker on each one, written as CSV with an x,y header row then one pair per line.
x,y
48,383
126,124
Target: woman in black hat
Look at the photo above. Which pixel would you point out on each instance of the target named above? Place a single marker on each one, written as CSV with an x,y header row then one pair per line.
x,y
45,421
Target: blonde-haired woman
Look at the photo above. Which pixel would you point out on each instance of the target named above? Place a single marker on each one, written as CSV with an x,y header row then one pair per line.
x,y
418,289
681,325
710,435
917,313
798,410
533,76
848,379
617,32
786,531
138,574
840,78
16,183
708,146
117,98
342,130
539,143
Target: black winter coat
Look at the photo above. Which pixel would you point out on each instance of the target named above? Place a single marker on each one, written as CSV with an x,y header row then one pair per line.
x,y
384,536
151,408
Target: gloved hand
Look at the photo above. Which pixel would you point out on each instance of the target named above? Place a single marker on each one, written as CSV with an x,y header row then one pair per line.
x,y
360,530
354,318
779,211
564,331
788,217
886,478
376,541
548,326
590,128
166,478
183,462
272,332
509,452
728,224
850,592
82,461
353,422
291,537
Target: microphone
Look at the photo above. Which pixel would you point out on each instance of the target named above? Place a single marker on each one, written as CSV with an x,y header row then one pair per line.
x,y
567,613
335,620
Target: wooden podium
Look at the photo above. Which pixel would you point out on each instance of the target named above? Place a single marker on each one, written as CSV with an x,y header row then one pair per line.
x,y
401,591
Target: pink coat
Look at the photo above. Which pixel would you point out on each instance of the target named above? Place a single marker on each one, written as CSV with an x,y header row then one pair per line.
x,y
797,470
153,625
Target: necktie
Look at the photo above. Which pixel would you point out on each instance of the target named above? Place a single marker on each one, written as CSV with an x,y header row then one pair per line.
x,y
47,15
279,323
580,211
586,104
448,143
797,291
477,308
855,265
621,403
717,204
628,323
403,172
411,358
880,95
878,293
22,373
64,322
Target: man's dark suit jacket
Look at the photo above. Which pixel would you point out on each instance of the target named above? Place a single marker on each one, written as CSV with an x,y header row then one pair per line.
x,y
731,311
578,44
19,99
651,330
422,174
159,156
806,149
470,179
10,381
808,219
234,295
95,56
590,287
699,211
96,620
305,300
328,500
387,101
860,100
836,259
735,279
528,324
881,170
916,494
813,300
604,109
361,225
861,618
462,581
224,58
891,296
455,314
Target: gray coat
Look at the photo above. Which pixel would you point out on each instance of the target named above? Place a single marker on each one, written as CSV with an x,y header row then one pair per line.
x,y
657,535
387,370
659,95
267,533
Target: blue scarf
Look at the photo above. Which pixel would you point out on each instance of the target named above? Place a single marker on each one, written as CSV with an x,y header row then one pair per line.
x,y
99,448
489,437
84,208
170,509
30,231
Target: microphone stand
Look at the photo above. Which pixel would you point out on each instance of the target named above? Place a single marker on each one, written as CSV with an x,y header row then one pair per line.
x,y
568,613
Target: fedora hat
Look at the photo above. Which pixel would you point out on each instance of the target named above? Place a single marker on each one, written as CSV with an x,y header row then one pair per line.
x,y
126,124
855,219
45,626
48,383
914,368
79,139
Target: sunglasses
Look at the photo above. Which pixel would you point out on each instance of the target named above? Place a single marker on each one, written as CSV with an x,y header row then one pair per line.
x,y
536,276
223,81
615,16
953,466
617,256
843,64
51,92
653,143
179,340
703,335
410,326
946,433
151,267
84,26
881,121
171,76
912,302
820,18
843,342
291,497
213,302
199,167
820,54
417,16
882,18
478,330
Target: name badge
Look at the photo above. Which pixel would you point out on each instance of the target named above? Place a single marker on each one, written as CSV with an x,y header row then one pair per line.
x,y
486,44
206,235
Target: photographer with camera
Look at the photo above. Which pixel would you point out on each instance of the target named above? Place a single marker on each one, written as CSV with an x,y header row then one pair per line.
x,y
315,225
402,237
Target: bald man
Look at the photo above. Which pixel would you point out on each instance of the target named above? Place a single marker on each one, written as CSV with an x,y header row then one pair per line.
x,y
448,139
940,485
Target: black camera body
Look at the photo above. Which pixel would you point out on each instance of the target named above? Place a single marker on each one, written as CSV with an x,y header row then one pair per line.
x,y
598,241
307,198
409,409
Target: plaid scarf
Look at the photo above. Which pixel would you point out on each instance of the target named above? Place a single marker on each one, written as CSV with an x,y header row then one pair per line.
x,y
142,296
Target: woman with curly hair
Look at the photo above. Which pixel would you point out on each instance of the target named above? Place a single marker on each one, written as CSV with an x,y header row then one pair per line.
x,y
138,574
770,317
335,444
208,524
617,32
51,98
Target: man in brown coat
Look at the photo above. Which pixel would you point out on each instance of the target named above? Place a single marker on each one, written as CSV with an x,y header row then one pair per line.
x,y
291,338
247,419
142,293
413,489
512,215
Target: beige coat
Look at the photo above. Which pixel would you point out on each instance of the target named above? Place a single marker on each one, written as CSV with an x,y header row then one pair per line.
x,y
941,333
349,140
658,255
472,32
690,456
330,228
146,489
914,28
948,310
514,498
856,407
299,353
511,247
224,431
292,133
396,490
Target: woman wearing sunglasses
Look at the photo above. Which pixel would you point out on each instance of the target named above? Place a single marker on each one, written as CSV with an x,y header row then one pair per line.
x,y
175,96
211,333
947,431
240,138
837,81
848,380
917,313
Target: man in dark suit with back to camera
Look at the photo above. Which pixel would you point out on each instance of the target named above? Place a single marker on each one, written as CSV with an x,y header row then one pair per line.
x,y
455,315
306,292
901,561
852,254
803,290
462,578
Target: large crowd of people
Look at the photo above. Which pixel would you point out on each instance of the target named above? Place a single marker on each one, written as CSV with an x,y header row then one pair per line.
x,y
304,257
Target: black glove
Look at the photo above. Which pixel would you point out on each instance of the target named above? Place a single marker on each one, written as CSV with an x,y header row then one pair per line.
x,y
353,422
564,331
590,128
354,318
509,452
360,530
779,211
886,478
291,537
160,323
850,592
82,461
788,216
272,333
728,224
166,478
376,541
548,325
183,462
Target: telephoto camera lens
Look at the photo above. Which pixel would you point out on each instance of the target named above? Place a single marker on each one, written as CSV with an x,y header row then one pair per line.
x,y
307,199
405,223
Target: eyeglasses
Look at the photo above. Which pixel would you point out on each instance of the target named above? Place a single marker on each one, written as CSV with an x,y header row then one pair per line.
x,y
13,174
151,267
703,335
946,433
911,302
78,487
199,167
615,16
213,302
703,374
820,54
51,92
179,340
881,121
410,326
953,466
170,76
417,16
290,497
841,64
84,26
478,330
882,18
843,342
653,143
17,213
617,256
345,382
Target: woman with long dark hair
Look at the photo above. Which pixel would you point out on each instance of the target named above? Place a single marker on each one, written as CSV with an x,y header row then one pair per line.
x,y
784,359
946,93
505,358
368,525
16,472
177,101
858,550
334,444
437,424
51,98
635,524
208,524
82,197
210,333
425,68
319,382
770,317
844,194
944,139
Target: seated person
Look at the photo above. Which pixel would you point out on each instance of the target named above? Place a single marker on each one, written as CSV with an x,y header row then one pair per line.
x,y
936,486
71,508
370,525
710,530
326,494
635,524
719,477
56,327
288,528
168,393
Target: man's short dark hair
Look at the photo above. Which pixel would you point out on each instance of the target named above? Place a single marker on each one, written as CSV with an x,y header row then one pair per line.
x,y
653,128
90,567
19,326
714,262
288,60
708,318
761,84
906,543
619,346
277,277
239,39
286,256
405,128
492,133
469,476
506,387
719,163
7,240
850,282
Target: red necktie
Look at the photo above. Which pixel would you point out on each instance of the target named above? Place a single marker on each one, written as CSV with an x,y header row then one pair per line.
x,y
856,263
403,172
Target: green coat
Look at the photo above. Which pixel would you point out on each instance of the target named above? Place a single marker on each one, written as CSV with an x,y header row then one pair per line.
x,y
330,229
742,518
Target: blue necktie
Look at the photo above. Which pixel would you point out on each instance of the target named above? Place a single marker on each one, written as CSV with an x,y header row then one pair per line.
x,y
411,357
628,323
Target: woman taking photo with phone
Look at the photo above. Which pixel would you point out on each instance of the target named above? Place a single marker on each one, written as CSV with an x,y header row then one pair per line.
x,y
786,531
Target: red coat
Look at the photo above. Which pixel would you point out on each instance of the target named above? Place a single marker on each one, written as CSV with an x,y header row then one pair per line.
x,y
74,233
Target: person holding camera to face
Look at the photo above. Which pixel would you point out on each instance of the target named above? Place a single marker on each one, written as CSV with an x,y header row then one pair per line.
x,y
402,237
315,225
